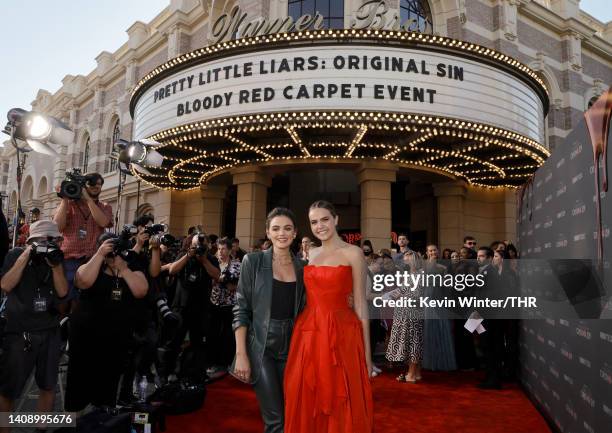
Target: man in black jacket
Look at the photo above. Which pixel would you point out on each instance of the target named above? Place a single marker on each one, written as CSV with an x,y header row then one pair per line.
x,y
494,328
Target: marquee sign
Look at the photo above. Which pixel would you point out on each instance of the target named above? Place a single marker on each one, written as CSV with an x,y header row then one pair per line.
x,y
342,77
455,107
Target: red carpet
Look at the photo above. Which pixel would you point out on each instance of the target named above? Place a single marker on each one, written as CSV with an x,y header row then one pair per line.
x,y
442,402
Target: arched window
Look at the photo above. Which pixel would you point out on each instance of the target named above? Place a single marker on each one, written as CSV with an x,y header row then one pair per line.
x,y
144,209
418,13
332,11
86,155
114,138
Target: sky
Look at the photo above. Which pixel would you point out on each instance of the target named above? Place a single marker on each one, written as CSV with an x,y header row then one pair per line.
x,y
43,40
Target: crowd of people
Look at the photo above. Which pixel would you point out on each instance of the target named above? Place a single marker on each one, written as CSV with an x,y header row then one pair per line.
x,y
142,305
416,338
124,307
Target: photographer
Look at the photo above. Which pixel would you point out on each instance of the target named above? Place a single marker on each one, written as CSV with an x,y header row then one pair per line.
x,y
223,298
146,242
81,222
33,277
196,269
102,325
165,286
144,345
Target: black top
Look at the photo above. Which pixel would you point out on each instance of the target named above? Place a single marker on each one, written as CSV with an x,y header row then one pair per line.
x,y
283,300
195,282
144,308
36,280
107,305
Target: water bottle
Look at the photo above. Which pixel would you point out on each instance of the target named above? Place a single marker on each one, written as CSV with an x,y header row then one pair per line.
x,y
142,389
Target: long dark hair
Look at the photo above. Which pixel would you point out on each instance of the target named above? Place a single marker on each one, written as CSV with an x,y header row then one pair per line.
x,y
281,211
324,204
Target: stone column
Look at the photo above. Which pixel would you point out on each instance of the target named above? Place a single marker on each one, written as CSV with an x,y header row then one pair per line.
x,y
451,225
505,222
212,208
253,184
375,179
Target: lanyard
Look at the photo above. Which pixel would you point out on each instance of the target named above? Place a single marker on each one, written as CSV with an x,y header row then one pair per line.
x,y
83,214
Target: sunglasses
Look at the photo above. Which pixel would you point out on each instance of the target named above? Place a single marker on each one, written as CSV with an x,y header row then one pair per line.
x,y
471,243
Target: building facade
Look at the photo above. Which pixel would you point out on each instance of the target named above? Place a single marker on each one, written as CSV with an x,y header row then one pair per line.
x,y
225,175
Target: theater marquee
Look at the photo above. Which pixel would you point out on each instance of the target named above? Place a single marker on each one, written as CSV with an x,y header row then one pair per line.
x,y
367,81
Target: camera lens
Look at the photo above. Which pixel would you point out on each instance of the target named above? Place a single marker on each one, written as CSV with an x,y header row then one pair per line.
x,y
72,189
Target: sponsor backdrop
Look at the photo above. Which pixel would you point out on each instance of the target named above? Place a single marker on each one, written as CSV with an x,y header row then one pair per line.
x,y
567,363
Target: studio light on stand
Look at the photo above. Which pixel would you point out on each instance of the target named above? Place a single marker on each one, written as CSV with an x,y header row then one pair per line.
x,y
134,156
33,131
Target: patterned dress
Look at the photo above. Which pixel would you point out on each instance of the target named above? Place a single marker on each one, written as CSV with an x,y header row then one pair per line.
x,y
439,350
220,295
406,342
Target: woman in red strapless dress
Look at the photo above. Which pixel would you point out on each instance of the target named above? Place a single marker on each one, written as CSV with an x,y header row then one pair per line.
x,y
327,386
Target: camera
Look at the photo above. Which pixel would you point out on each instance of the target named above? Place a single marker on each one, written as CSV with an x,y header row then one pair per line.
x,y
228,278
160,232
202,248
72,186
168,240
122,245
51,251
173,248
155,229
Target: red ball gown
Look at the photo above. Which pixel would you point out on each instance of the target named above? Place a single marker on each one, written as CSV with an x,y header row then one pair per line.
x,y
327,389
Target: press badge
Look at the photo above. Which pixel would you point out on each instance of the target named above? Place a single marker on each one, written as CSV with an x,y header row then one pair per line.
x,y
82,233
116,295
40,304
